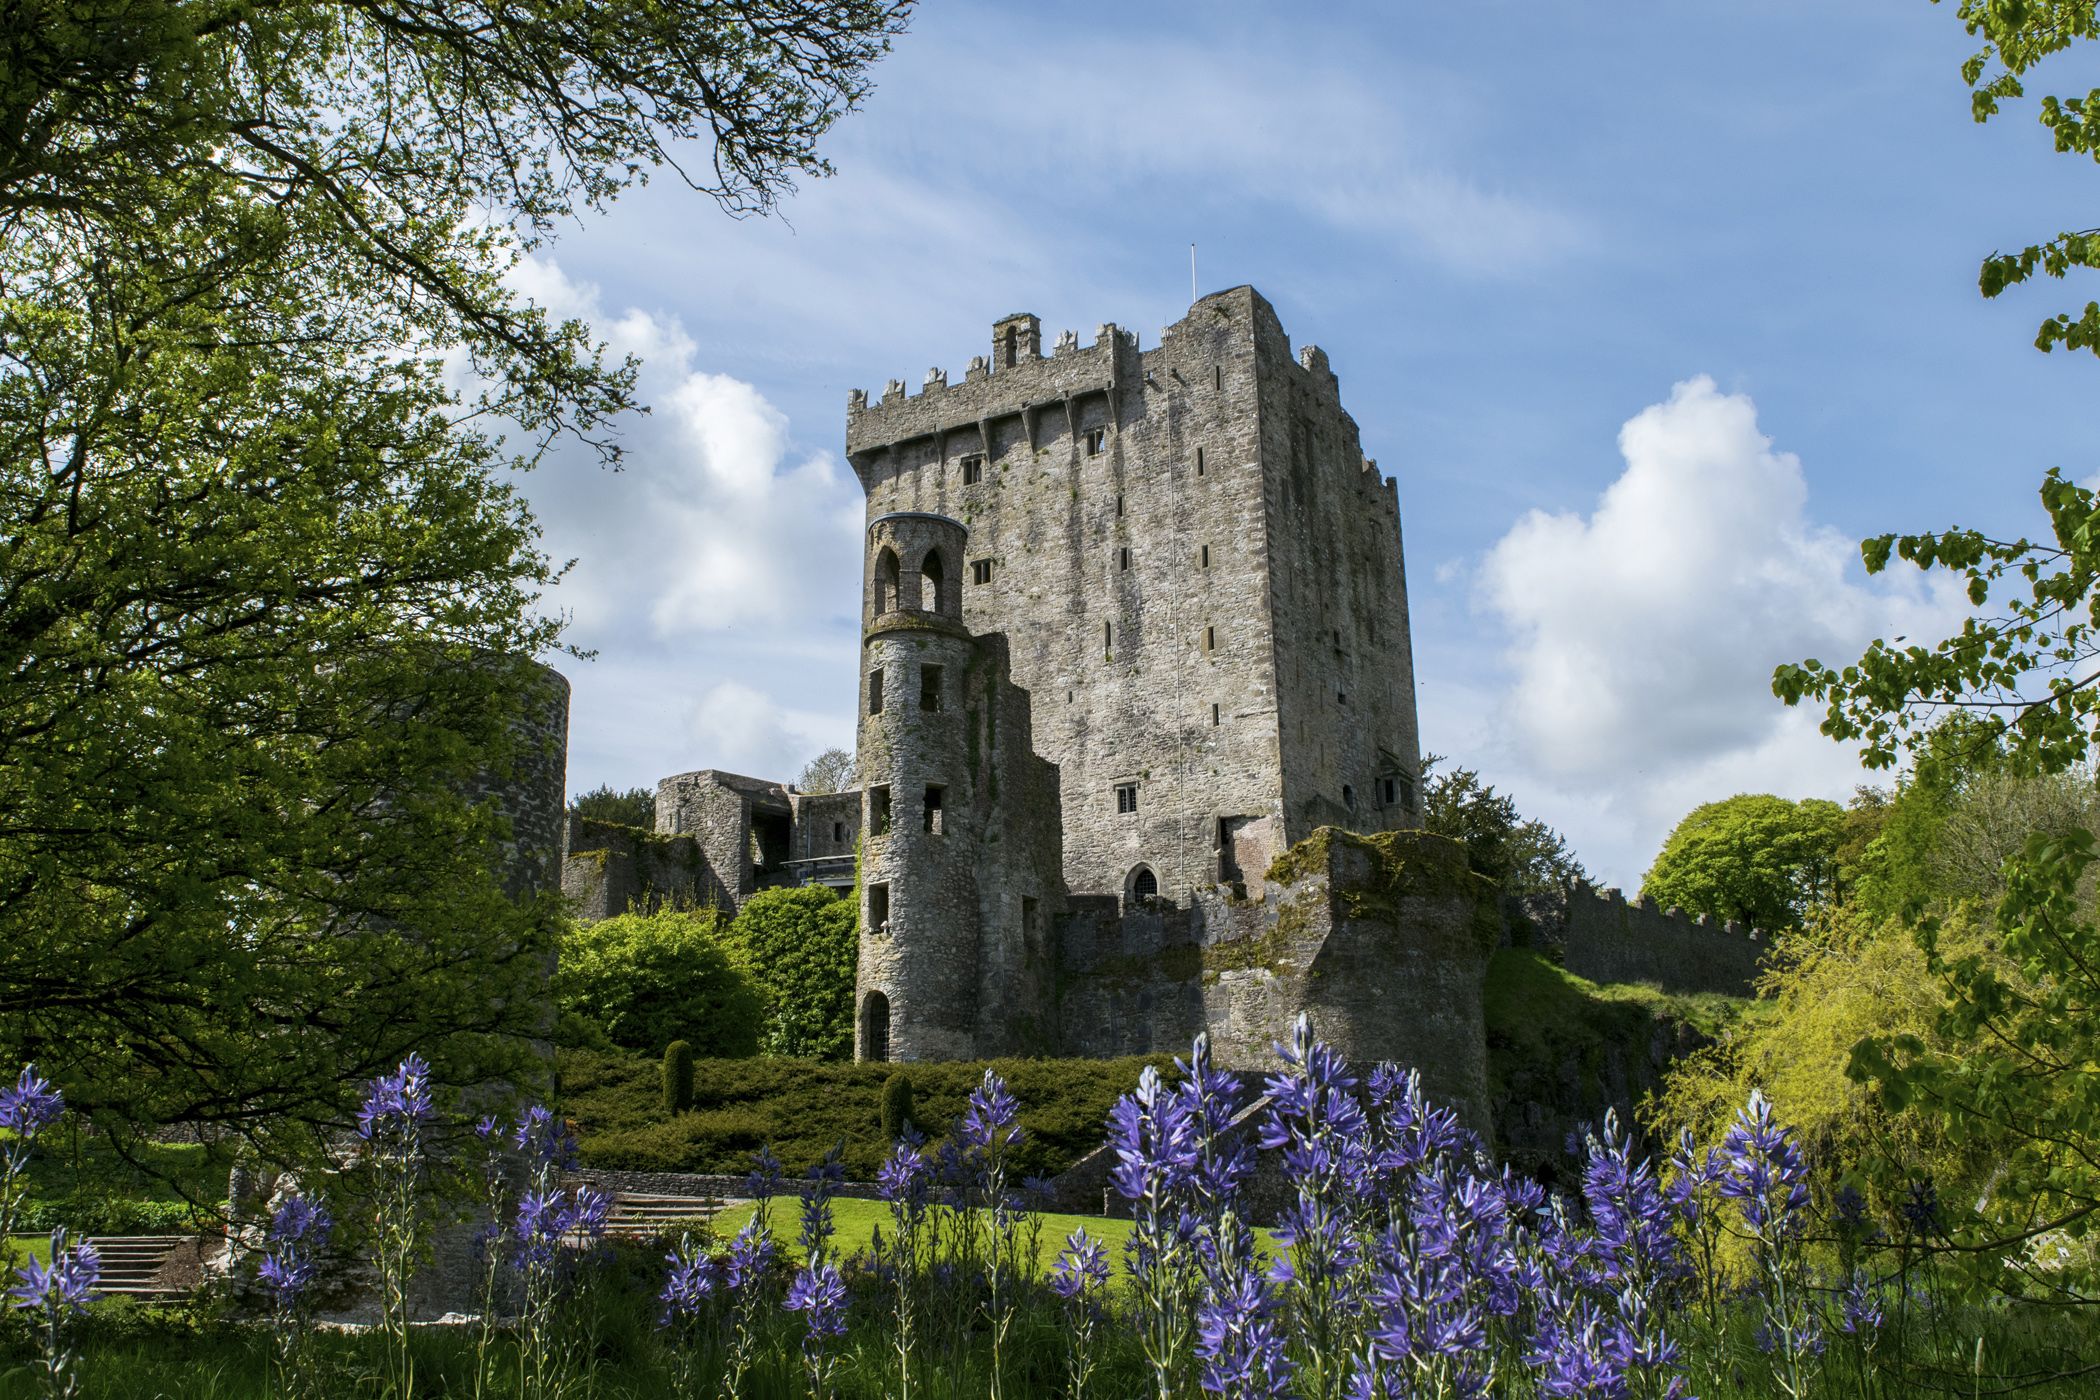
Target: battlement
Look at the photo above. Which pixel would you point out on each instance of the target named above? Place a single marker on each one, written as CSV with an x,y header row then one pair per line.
x,y
1607,937
1021,381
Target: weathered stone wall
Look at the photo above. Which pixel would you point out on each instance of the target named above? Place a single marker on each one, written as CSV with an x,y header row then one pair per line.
x,y
1606,938
1123,507
826,824
609,869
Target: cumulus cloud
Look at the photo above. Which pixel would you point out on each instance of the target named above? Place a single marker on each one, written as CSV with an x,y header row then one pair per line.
x,y
1642,635
743,729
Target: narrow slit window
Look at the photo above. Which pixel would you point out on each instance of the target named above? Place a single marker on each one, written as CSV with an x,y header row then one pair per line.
x,y
973,468
875,692
1096,441
1199,461
1214,716
1217,376
1340,698
878,909
1108,636
929,687
980,571
1205,557
1348,797
1388,792
879,810
935,795
1123,558
1210,639
838,833
1119,505
1126,797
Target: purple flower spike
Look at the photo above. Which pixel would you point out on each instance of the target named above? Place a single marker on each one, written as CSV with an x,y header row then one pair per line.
x,y
299,1231
62,1286
30,1105
688,1285
1763,1171
397,1104
819,1294
1081,1270
992,1119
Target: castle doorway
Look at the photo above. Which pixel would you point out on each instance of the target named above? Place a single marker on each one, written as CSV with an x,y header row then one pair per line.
x,y
875,1027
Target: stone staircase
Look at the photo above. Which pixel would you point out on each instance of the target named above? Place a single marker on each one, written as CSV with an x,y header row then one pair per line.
x,y
639,1214
148,1266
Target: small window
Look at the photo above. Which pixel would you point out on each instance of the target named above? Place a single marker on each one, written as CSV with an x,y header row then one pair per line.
x,y
980,571
1119,505
973,468
1340,698
1199,461
934,797
1388,792
1214,716
1144,887
878,909
1204,556
879,810
1348,797
1123,558
1126,797
929,687
838,833
1096,441
1217,376
875,692
1210,639
1108,636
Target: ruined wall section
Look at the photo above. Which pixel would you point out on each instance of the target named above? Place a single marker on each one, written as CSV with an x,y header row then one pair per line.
x,y
1607,938
827,824
1344,658
723,812
1125,573
609,869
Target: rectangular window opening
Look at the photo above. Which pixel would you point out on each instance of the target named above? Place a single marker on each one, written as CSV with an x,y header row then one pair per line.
x,y
973,468
1214,716
1096,441
929,687
1210,639
1123,558
1119,506
878,909
838,833
1205,556
879,810
1108,636
875,692
1199,461
1388,792
980,571
934,796
1126,797
1217,376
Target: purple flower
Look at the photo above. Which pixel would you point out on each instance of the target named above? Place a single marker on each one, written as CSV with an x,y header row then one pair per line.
x,y
1154,1139
30,1105
544,1139
1921,1208
1242,1348
991,1122
1763,1171
1859,1306
396,1105
1081,1270
819,1294
1635,1221
688,1285
750,1255
61,1286
299,1231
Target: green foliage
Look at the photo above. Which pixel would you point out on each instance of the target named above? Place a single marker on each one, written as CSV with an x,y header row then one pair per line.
x,y
803,1107
605,803
801,945
829,771
896,1105
1522,857
678,1077
646,980
1754,857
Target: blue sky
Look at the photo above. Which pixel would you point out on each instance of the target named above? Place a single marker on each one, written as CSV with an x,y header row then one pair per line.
x,y
1653,309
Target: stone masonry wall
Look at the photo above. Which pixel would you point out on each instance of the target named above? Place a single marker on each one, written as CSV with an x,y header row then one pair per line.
x,y
609,869
1606,938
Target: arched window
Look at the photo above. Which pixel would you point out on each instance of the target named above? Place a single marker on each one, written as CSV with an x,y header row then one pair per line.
x,y
1144,888
933,576
886,580
1348,797
875,1027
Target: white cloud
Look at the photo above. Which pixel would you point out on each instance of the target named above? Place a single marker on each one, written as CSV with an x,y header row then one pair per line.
x,y
1642,636
743,729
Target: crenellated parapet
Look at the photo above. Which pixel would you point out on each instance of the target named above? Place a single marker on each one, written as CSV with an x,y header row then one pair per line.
x,y
1607,937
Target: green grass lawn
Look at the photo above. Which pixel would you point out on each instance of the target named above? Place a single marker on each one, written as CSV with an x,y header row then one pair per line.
x,y
856,1222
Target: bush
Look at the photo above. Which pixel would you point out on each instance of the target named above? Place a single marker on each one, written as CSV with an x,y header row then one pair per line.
x,y
649,979
896,1105
678,1077
800,945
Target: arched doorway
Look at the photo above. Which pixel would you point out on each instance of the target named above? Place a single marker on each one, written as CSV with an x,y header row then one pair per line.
x,y
875,1027
1142,891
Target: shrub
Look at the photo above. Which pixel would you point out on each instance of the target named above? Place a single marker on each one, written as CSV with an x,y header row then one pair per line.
x,y
896,1105
678,1077
649,979
800,945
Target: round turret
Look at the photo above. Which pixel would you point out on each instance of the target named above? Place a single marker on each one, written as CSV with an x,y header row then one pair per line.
x,y
918,989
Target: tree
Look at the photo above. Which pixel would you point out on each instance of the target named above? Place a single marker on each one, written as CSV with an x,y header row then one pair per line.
x,y
2012,1049
829,771
258,563
1522,857
605,803
801,945
647,980
1754,857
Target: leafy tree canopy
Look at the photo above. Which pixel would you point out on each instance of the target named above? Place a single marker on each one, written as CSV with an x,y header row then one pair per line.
x,y
801,945
829,771
256,557
646,980
606,803
1754,857
1522,856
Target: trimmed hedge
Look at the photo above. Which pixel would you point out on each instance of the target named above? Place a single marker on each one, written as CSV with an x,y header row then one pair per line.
x,y
803,1107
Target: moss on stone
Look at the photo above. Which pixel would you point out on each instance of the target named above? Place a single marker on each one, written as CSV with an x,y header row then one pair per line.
x,y
1400,865
1269,951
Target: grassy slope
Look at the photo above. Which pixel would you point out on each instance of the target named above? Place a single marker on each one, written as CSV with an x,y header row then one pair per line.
x,y
803,1107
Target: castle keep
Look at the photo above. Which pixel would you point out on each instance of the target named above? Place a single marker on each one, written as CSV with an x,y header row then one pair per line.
x,y
1137,748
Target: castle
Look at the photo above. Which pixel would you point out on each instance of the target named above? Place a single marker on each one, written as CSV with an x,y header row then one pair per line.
x,y
1137,747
